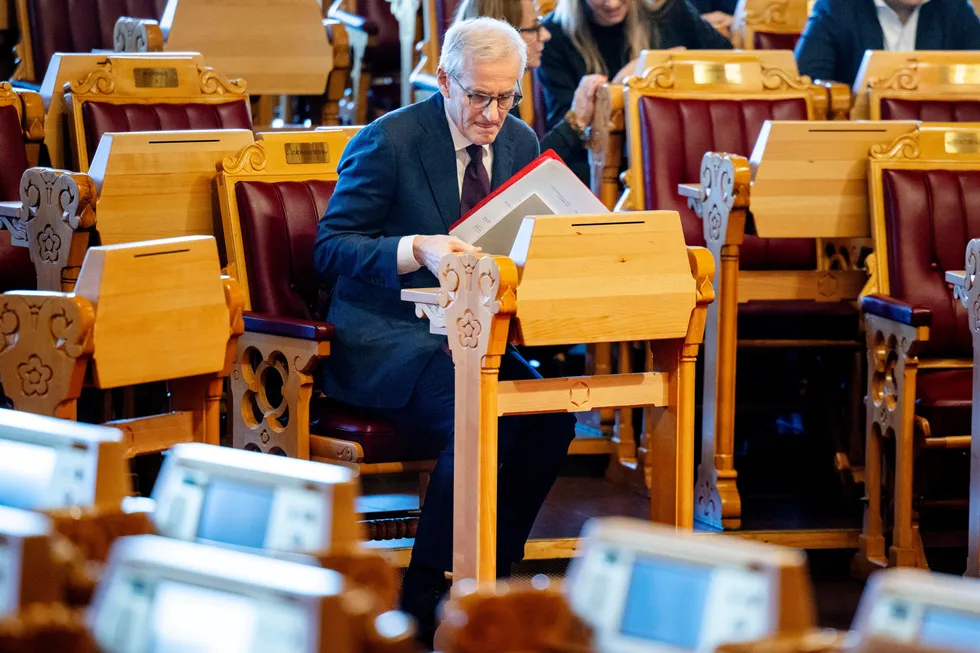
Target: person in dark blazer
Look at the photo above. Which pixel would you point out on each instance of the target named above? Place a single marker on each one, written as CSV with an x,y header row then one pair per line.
x,y
604,38
403,181
840,31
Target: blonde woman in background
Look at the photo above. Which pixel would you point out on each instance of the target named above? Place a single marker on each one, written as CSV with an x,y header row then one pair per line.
x,y
601,40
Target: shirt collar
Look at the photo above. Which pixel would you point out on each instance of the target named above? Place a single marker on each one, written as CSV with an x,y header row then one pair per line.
x,y
460,142
880,4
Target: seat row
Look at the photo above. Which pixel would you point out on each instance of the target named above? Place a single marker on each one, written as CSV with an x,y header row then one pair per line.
x,y
241,551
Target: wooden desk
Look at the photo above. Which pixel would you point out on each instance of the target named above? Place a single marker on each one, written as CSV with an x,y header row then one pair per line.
x,y
583,279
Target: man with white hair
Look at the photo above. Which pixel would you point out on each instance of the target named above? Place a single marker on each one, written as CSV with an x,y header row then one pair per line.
x,y
404,180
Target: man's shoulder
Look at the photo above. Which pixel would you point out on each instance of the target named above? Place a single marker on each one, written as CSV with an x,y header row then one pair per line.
x,y
518,131
838,9
403,121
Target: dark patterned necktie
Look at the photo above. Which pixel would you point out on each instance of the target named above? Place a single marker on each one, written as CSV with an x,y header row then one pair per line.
x,y
476,181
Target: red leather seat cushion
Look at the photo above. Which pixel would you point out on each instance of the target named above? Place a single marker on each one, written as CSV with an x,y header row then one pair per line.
x,y
930,217
16,269
377,438
279,222
103,117
931,110
79,25
945,398
677,133
775,41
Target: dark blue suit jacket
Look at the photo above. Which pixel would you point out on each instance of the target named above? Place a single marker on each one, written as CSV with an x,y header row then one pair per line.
x,y
397,178
840,31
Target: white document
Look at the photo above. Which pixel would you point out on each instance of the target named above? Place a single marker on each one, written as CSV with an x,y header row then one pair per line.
x,y
545,187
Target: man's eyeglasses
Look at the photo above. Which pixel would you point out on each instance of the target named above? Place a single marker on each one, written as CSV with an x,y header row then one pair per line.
x,y
533,33
481,101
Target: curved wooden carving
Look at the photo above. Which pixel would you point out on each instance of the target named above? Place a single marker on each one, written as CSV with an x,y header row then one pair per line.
x,y
99,81
905,146
661,77
605,142
45,342
473,291
271,388
773,13
777,79
137,35
892,350
905,78
725,183
971,289
57,206
251,158
214,83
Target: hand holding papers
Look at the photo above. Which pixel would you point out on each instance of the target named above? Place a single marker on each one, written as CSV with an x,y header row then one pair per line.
x,y
544,187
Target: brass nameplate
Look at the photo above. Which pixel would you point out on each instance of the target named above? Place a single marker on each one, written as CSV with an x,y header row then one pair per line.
x,y
299,153
717,73
962,142
960,74
155,77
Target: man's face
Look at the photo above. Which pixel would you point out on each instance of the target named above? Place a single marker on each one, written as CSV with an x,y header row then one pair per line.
x,y
478,76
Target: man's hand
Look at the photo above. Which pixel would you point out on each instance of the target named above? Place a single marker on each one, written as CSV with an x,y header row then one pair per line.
x,y
583,103
719,20
429,250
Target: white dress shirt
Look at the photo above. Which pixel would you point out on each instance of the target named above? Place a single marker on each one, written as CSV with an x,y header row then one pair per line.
x,y
406,254
898,37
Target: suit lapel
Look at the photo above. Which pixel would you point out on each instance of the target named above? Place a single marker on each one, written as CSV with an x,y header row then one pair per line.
x,y
438,159
503,160
929,33
875,37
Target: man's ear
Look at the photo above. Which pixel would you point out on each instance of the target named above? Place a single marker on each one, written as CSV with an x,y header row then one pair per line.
x,y
443,78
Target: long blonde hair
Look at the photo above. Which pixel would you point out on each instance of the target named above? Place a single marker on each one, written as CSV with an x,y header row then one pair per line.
x,y
641,32
511,11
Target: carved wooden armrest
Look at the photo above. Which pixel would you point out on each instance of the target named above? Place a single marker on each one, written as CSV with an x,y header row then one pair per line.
x,y
427,305
896,310
693,194
839,97
137,35
323,448
353,21
10,220
57,217
31,112
287,327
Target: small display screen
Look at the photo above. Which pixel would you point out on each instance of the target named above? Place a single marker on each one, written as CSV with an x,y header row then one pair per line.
x,y
235,513
191,619
665,602
25,473
949,630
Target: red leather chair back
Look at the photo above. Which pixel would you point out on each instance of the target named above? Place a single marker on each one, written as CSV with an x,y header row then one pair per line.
x,y
102,117
676,133
386,54
775,41
930,110
79,25
16,269
279,221
930,216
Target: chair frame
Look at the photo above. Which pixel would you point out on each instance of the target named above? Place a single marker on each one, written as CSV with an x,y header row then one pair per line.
x,y
180,80
920,75
893,347
770,16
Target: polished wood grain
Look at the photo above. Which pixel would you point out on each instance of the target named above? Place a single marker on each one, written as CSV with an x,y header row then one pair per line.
x,y
768,16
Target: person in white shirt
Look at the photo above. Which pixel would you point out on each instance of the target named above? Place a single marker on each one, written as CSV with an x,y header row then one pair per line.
x,y
403,181
840,31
